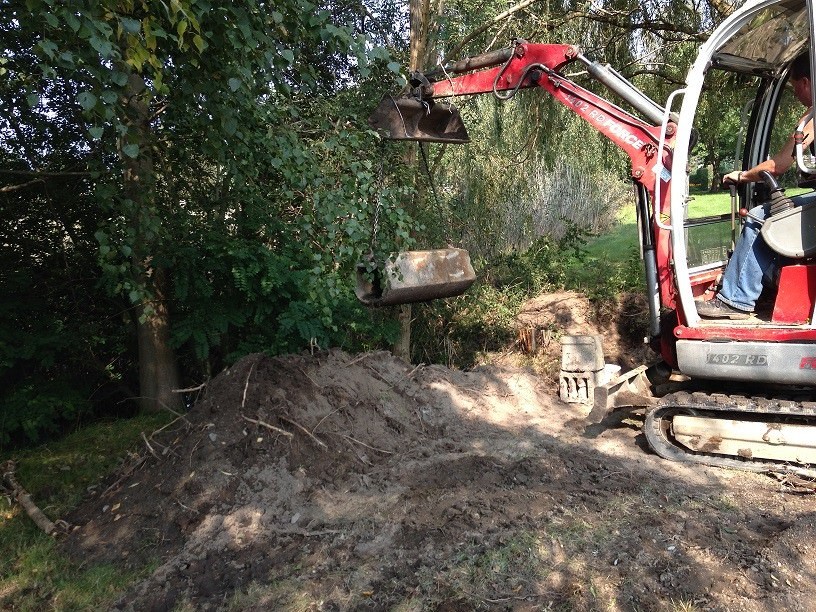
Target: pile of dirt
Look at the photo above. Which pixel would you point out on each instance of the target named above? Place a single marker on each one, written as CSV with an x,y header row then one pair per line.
x,y
342,482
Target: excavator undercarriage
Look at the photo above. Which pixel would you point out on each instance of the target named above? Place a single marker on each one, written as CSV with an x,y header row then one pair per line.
x,y
748,433
731,424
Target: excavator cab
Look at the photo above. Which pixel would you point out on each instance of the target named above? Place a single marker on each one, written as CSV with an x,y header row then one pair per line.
x,y
747,62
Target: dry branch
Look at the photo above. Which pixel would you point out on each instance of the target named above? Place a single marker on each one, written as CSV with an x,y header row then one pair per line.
x,y
150,448
22,497
304,430
191,389
498,18
379,450
312,380
246,385
288,434
9,188
125,474
356,360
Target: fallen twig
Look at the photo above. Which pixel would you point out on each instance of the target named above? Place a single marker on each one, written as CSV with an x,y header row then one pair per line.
x,y
508,598
22,497
246,385
356,360
193,510
379,375
419,418
191,389
320,422
362,459
161,403
288,434
379,450
139,461
412,372
163,427
312,380
304,430
795,483
303,532
150,448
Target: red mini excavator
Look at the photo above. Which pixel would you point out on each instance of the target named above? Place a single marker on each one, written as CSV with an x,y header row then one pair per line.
x,y
748,385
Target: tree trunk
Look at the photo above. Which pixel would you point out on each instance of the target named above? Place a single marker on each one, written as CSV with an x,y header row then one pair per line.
x,y
158,372
423,23
402,348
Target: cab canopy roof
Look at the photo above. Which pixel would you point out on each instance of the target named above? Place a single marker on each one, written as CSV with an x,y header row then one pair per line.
x,y
769,42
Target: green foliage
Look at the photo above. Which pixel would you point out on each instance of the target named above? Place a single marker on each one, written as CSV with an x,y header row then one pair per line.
x,y
701,178
256,184
606,278
41,407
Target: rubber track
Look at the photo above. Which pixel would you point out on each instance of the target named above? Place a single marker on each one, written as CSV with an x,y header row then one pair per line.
x,y
726,406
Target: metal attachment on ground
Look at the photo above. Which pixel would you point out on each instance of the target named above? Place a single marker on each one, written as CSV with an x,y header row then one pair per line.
x,y
630,389
582,368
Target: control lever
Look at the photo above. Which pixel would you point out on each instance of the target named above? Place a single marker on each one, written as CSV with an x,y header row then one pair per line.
x,y
745,213
779,201
732,188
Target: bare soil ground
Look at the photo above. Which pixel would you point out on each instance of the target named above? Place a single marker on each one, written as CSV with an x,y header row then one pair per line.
x,y
360,482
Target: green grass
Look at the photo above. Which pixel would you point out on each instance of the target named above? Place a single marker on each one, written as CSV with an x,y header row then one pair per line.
x,y
34,574
617,244
612,261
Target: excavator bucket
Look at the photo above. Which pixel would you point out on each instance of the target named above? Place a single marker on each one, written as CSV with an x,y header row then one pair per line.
x,y
407,118
415,276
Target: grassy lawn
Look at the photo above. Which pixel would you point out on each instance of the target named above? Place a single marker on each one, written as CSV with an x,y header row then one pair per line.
x,y
617,244
34,575
613,264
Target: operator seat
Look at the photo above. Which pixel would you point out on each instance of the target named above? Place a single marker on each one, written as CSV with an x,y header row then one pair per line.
x,y
792,233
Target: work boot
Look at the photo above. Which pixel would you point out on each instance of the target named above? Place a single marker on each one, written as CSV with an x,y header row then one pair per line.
x,y
717,309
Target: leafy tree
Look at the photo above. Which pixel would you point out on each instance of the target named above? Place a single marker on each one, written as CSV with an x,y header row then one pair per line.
x,y
223,186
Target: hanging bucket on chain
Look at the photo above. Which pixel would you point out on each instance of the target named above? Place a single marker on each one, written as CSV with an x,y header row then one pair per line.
x,y
415,276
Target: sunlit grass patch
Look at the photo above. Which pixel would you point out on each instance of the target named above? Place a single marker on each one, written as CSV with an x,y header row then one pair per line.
x,y
38,576
34,573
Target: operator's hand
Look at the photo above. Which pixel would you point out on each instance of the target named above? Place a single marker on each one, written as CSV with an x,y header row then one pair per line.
x,y
732,178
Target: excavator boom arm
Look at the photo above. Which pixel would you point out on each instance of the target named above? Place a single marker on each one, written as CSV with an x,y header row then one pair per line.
x,y
537,65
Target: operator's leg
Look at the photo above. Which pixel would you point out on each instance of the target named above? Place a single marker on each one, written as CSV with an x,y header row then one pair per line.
x,y
752,266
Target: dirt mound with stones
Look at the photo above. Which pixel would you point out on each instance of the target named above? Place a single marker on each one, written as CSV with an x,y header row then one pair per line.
x,y
344,482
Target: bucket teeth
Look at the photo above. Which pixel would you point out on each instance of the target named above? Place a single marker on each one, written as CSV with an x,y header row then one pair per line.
x,y
411,119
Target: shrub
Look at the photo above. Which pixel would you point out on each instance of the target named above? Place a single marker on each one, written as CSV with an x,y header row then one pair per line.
x,y
36,409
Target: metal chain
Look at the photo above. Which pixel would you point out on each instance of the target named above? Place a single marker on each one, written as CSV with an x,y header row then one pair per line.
x,y
375,223
445,225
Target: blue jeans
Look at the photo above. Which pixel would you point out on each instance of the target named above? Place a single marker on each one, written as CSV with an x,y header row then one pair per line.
x,y
752,266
